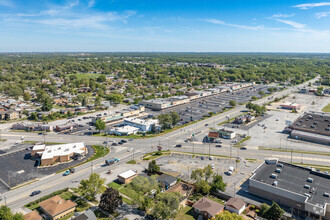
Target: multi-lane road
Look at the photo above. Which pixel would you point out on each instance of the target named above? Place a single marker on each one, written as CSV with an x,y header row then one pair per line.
x,y
20,196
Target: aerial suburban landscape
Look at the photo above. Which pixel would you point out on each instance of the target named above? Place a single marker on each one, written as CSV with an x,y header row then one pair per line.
x,y
131,131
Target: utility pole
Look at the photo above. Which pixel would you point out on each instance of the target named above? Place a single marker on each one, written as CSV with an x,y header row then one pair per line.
x,y
291,155
133,153
209,149
8,178
237,152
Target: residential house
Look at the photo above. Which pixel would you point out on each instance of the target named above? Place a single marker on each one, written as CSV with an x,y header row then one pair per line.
x,y
167,180
56,207
87,215
32,216
235,205
208,208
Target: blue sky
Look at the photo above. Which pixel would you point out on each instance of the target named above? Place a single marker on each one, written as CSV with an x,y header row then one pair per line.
x,y
165,25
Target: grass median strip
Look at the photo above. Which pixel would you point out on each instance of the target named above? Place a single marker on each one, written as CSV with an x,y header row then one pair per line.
x,y
295,151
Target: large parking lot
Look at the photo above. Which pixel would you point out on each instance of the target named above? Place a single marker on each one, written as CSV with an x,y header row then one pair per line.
x,y
198,108
18,167
181,165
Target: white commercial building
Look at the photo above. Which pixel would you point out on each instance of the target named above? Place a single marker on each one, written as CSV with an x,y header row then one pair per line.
x,y
58,153
143,125
124,131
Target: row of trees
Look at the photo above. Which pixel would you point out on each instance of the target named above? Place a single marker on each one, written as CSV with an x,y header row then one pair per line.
x,y
258,109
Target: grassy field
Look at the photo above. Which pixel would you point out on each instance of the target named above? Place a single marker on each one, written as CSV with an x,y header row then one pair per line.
x,y
115,185
326,108
131,162
185,214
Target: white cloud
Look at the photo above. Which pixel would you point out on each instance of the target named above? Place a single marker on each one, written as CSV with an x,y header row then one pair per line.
x,y
216,21
91,3
311,5
280,15
7,3
291,23
322,14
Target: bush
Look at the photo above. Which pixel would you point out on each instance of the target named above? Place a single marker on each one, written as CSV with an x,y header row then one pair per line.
x,y
159,153
252,207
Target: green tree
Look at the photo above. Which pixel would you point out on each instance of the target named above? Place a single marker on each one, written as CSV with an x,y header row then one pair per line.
x,y
274,212
102,78
165,120
226,215
254,98
203,187
47,104
100,125
263,208
232,103
167,205
143,184
110,200
115,97
27,96
175,117
261,93
92,186
218,184
153,167
97,101
6,214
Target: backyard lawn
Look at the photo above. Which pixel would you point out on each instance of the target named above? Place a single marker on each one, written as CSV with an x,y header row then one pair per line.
x,y
185,214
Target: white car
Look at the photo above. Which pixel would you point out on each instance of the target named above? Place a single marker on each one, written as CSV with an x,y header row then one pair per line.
x,y
212,165
129,149
211,158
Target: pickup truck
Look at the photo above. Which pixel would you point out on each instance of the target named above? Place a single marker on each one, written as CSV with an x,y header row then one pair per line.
x,y
111,161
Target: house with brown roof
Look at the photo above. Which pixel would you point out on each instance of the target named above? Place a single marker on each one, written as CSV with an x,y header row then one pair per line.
x,y
235,205
56,207
208,208
32,216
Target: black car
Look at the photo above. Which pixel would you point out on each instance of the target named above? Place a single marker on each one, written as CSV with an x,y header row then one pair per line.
x,y
243,148
218,145
123,141
35,193
206,124
178,145
114,144
120,142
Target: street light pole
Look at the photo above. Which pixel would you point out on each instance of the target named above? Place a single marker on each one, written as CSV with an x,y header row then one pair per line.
x,y
230,150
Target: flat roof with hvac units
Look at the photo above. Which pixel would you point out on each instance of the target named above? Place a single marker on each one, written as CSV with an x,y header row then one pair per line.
x,y
293,186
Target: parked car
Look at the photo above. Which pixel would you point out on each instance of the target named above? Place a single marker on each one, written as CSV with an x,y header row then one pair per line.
x,y
203,158
131,139
206,124
120,142
212,166
123,141
211,158
35,193
114,144
178,145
